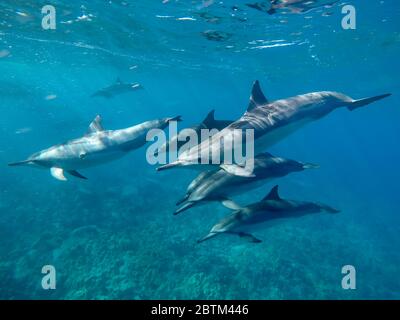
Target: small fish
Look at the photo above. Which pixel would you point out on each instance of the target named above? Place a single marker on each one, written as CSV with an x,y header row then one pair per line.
x,y
23,130
51,97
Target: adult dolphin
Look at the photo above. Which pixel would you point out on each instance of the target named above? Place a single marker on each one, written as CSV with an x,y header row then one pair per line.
x,y
96,147
271,207
270,122
219,185
117,88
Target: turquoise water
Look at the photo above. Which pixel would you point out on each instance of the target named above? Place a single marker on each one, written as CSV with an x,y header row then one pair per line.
x,y
114,235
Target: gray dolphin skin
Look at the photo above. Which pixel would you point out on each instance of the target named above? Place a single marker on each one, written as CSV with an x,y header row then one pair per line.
x,y
271,122
98,146
209,123
295,6
271,207
220,185
116,89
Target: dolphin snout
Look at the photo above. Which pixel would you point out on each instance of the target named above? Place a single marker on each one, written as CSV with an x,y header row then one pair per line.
x,y
20,163
169,166
184,207
208,236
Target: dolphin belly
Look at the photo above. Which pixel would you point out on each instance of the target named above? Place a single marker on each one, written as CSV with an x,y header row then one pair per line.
x,y
275,135
89,160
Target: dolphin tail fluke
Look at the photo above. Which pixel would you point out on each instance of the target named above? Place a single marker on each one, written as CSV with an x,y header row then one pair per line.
x,y
184,207
177,118
19,163
311,166
329,209
209,120
363,102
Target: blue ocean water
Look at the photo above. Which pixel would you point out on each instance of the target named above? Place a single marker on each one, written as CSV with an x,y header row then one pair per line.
x,y
114,235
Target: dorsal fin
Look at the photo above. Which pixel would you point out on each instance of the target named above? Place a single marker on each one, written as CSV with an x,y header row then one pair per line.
x,y
273,194
209,119
95,126
257,97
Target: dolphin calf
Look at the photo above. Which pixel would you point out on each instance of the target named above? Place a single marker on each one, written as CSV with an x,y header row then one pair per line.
x,y
271,207
116,89
270,123
219,185
209,122
96,147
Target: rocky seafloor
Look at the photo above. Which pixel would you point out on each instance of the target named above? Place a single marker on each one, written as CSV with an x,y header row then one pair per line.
x,y
113,240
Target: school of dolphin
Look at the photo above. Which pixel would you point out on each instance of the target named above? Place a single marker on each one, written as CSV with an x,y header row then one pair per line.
x,y
271,121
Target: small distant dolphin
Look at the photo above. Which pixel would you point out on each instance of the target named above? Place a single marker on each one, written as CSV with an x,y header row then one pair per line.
x,y
209,122
295,6
96,147
271,207
271,122
220,185
116,89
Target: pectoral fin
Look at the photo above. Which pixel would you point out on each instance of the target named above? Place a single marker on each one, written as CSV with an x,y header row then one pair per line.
x,y
230,204
76,174
237,170
58,173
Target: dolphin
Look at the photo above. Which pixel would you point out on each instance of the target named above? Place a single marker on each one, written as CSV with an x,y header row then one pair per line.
x,y
219,185
295,6
116,89
271,207
270,122
209,123
96,147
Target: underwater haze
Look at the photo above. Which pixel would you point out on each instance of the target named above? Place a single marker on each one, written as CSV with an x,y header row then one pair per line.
x,y
114,236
